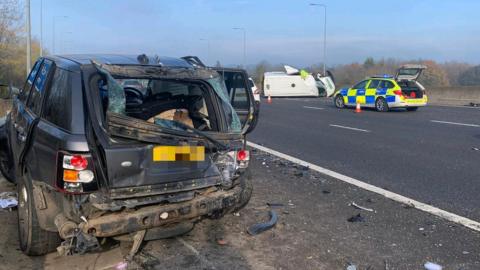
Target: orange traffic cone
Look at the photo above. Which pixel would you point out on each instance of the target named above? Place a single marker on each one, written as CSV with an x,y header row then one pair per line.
x,y
358,109
269,100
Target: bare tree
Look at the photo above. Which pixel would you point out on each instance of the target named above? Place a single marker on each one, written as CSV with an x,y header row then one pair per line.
x,y
12,43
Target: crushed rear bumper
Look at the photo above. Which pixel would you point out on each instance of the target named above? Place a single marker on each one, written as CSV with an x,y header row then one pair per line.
x,y
128,221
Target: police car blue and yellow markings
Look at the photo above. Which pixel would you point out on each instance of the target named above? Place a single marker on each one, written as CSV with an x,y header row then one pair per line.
x,y
370,95
366,96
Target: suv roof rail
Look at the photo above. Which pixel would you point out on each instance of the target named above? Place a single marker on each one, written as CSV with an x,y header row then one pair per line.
x,y
194,61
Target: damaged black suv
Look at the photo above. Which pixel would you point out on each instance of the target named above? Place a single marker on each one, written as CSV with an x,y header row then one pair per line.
x,y
126,147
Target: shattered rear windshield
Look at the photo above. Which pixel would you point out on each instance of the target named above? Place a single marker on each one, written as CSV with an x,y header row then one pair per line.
x,y
169,103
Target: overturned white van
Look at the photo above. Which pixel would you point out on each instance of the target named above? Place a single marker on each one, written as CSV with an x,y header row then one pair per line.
x,y
295,83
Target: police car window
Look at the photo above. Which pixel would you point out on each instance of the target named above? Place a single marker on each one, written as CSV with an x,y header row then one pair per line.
x,y
386,84
374,84
361,85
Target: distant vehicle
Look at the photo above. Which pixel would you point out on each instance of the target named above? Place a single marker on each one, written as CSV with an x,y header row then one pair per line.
x,y
386,92
255,90
93,158
295,83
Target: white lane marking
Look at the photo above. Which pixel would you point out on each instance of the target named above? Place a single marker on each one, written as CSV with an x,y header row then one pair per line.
x,y
314,108
202,258
454,123
350,128
474,225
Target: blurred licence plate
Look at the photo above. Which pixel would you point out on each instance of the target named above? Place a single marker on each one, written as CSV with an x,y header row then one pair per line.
x,y
415,101
179,153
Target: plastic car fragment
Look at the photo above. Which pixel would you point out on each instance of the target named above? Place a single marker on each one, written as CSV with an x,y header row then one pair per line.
x,y
261,227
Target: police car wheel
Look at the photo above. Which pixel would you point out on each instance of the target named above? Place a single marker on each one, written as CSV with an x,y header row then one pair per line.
x,y
412,109
339,103
381,105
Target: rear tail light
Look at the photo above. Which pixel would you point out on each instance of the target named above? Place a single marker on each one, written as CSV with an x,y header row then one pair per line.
x,y
243,155
75,173
76,162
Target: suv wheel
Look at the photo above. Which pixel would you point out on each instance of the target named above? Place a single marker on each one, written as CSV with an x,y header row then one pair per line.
x,y
339,102
33,239
381,105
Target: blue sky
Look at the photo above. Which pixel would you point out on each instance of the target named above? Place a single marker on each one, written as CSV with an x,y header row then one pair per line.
x,y
279,31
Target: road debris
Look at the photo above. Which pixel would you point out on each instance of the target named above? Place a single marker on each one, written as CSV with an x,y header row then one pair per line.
x,y
237,214
298,174
222,242
137,242
475,149
326,191
351,267
8,200
121,265
361,207
432,266
356,218
275,205
261,227
408,206
78,243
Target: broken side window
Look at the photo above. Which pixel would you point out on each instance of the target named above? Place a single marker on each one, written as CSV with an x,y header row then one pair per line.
x,y
233,121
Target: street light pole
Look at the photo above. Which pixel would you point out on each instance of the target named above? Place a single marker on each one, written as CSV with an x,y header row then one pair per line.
x,y
324,37
244,45
29,37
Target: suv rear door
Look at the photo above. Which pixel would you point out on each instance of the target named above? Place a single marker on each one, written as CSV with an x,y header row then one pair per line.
x,y
241,97
27,106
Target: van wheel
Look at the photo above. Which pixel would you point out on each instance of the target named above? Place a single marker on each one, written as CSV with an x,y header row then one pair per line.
x,y
412,109
339,102
381,105
34,240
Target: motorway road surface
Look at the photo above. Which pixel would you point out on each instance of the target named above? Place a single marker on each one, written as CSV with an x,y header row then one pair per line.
x,y
430,155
